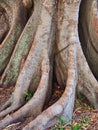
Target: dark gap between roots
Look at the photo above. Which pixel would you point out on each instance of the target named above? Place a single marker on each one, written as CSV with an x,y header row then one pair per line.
x,y
57,90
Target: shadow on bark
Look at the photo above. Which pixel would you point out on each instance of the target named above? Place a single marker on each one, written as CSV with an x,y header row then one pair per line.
x,y
49,36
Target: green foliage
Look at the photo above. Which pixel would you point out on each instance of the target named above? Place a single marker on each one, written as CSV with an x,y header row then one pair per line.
x,y
76,127
90,107
59,124
62,124
67,125
61,119
28,96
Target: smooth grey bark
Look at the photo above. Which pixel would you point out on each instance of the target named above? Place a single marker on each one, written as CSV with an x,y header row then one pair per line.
x,y
54,46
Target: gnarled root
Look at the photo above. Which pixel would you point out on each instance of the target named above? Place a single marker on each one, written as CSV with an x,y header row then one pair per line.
x,y
9,42
31,70
87,84
88,30
35,73
7,104
64,106
35,105
22,48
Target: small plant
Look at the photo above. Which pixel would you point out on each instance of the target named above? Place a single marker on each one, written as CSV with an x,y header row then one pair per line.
x,y
62,124
90,107
61,119
67,125
28,96
76,126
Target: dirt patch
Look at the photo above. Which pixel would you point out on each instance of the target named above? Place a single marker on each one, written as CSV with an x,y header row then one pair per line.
x,y
5,93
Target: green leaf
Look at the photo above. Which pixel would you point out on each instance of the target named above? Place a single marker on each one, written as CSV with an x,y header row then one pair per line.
x,y
76,127
61,119
28,96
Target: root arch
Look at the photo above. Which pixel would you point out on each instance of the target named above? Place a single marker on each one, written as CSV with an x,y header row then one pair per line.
x,y
49,36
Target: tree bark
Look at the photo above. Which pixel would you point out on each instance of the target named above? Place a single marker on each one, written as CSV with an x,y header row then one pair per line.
x,y
47,45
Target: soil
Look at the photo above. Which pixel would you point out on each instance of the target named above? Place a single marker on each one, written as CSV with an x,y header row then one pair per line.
x,y
85,117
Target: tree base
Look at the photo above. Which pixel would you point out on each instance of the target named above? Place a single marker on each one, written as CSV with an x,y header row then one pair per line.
x,y
35,64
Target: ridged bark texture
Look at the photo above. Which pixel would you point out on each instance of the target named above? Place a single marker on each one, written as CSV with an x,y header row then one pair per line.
x,y
56,41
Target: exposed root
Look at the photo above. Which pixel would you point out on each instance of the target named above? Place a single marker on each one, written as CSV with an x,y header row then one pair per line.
x,y
9,42
8,110
88,30
35,105
35,69
87,84
62,106
4,25
22,48
7,104
31,68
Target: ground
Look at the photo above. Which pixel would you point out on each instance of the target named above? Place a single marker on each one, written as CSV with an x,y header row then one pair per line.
x,y
85,117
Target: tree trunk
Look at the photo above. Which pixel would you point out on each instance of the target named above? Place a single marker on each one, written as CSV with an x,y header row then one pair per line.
x,y
40,45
